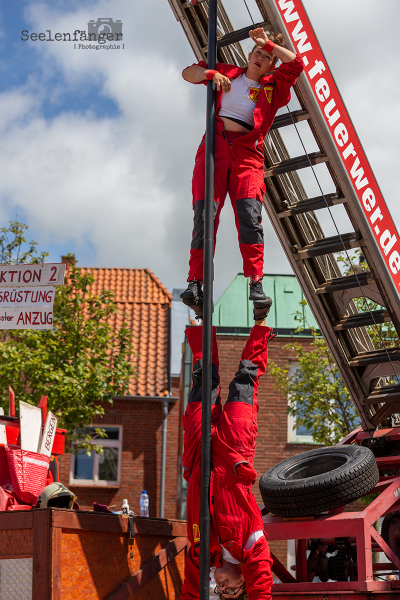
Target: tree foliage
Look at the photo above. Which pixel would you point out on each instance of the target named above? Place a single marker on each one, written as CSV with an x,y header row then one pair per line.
x,y
317,396
14,249
382,334
79,364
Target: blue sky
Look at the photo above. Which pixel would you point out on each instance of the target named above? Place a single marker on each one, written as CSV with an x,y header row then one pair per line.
x,y
21,61
98,147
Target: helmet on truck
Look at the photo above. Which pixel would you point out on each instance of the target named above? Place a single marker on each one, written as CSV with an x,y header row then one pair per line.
x,y
56,495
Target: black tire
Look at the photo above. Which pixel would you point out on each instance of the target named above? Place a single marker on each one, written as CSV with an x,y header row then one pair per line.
x,y
319,480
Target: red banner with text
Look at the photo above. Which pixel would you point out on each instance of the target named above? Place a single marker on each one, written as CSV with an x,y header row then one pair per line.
x,y
343,134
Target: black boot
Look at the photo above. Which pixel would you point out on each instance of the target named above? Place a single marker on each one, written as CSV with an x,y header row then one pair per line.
x,y
257,294
198,311
193,295
261,312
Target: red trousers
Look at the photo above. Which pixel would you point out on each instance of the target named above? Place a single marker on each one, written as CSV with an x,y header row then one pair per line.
x,y
234,511
239,171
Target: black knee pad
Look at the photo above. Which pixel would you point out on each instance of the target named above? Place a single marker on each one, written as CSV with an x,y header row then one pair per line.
x,y
242,387
249,215
198,224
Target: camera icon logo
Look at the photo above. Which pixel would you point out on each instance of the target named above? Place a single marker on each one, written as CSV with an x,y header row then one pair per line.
x,y
103,27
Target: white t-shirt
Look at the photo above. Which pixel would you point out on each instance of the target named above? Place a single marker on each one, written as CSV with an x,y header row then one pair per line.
x,y
240,102
226,555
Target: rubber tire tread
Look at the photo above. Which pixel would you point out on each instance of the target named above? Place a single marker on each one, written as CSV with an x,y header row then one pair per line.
x,y
314,495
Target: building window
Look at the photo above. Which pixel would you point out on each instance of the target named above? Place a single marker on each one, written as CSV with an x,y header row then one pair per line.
x,y
99,469
299,434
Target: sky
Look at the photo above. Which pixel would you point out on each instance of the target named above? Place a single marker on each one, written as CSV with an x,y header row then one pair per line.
x,y
97,147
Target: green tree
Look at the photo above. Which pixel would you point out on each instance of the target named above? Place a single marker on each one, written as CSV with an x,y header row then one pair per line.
x,y
317,396
381,334
79,364
14,249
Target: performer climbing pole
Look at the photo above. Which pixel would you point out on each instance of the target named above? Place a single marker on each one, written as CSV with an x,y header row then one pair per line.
x,y
204,591
233,144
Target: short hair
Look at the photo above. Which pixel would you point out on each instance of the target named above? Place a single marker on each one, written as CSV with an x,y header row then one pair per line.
x,y
277,38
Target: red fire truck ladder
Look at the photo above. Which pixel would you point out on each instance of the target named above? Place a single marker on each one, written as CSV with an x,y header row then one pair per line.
x,y
368,372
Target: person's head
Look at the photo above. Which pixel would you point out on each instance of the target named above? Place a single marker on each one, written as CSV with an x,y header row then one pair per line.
x,y
229,577
262,62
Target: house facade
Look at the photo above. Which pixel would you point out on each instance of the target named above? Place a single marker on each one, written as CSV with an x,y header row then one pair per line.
x,y
142,426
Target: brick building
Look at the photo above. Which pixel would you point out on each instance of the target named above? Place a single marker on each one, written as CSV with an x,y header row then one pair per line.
x,y
134,423
233,318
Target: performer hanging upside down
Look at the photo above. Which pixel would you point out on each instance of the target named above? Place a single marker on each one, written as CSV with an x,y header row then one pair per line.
x,y
247,101
239,553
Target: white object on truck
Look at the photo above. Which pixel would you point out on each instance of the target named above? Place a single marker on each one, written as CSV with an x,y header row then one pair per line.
x,y
31,426
49,433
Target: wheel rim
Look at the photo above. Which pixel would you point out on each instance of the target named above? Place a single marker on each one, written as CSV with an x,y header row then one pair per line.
x,y
312,466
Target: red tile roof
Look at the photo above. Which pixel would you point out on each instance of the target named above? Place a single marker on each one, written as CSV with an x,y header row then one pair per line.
x,y
143,303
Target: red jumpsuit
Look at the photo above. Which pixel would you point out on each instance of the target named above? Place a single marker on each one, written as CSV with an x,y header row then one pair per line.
x,y
239,170
234,511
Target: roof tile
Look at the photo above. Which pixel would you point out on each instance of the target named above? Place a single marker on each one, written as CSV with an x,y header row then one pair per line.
x,y
143,302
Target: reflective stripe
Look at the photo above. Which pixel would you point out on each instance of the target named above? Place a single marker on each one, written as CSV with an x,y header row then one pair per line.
x,y
226,555
34,461
240,463
253,538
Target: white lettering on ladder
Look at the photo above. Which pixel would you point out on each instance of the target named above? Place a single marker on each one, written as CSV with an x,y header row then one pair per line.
x,y
301,37
357,175
297,33
340,133
368,199
376,214
288,5
332,118
322,89
319,68
387,241
349,151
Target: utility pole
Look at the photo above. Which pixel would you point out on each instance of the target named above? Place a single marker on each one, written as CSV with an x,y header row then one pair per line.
x,y
204,591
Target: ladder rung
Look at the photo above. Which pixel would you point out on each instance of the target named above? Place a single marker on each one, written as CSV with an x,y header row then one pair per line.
x,y
239,35
379,417
374,357
383,397
345,283
311,204
287,119
336,243
363,319
294,164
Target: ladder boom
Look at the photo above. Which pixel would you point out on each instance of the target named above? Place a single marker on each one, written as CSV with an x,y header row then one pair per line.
x,y
330,293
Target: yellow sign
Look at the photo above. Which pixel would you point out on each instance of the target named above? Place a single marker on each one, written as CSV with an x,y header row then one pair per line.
x,y
253,93
196,533
268,92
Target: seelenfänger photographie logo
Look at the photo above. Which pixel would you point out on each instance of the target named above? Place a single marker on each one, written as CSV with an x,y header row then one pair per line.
x,y
99,36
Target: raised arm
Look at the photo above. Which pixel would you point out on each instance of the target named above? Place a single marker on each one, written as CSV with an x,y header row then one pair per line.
x,y
198,74
260,38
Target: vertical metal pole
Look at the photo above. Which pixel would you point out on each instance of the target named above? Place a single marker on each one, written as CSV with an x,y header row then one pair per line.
x,y
163,454
204,590
164,422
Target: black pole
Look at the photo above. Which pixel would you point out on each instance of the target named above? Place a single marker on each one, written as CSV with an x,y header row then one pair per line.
x,y
204,590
